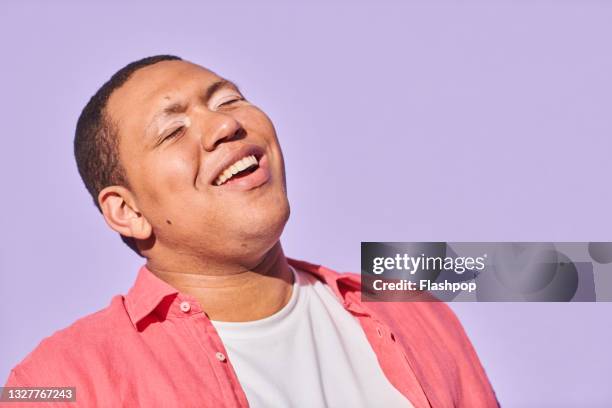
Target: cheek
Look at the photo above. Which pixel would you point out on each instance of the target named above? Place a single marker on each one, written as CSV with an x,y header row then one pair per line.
x,y
259,123
170,174
255,120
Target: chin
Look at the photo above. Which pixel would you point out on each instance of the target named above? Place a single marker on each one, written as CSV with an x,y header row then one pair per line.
x,y
268,223
263,228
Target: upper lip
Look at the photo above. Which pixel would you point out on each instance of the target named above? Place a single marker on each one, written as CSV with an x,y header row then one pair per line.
x,y
233,156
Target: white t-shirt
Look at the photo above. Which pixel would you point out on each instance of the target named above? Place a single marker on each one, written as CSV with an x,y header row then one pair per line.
x,y
312,353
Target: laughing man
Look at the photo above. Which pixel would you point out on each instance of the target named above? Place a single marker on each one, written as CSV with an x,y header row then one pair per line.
x,y
191,175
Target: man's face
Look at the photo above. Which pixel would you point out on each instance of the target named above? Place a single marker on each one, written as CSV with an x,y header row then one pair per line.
x,y
204,165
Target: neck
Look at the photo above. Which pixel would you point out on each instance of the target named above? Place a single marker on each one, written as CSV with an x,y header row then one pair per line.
x,y
233,292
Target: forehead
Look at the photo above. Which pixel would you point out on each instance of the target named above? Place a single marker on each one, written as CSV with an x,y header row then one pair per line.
x,y
153,86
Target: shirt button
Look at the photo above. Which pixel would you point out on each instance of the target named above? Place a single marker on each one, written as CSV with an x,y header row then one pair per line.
x,y
220,356
185,306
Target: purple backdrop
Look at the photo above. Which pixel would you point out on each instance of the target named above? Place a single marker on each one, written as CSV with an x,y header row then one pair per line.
x,y
399,123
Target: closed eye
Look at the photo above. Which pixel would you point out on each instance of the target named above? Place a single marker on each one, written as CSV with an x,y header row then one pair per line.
x,y
175,132
231,101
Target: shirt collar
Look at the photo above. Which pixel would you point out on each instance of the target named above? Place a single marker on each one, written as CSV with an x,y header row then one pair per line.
x,y
146,294
148,290
339,283
346,286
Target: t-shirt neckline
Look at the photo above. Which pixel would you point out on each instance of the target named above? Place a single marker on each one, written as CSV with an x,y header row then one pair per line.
x,y
267,324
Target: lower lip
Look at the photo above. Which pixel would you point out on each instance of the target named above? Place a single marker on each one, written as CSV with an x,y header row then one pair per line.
x,y
253,180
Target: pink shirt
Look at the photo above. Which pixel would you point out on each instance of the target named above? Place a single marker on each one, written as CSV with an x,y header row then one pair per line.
x,y
155,347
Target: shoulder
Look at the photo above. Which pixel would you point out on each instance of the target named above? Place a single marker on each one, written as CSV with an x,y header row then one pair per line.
x,y
70,354
438,346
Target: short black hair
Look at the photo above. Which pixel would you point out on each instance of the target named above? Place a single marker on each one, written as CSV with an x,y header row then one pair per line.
x,y
96,141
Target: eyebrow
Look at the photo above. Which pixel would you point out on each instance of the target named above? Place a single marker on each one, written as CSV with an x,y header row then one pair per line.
x,y
179,107
215,86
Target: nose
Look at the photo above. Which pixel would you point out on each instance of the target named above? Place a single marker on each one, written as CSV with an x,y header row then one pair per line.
x,y
219,128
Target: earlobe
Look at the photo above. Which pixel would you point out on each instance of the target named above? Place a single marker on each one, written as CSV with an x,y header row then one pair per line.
x,y
121,213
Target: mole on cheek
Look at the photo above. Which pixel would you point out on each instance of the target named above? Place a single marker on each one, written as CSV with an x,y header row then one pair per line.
x,y
168,222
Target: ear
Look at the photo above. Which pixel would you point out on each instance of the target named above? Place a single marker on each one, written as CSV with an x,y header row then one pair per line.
x,y
121,213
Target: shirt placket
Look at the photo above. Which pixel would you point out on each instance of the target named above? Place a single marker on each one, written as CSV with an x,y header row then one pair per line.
x,y
206,336
386,343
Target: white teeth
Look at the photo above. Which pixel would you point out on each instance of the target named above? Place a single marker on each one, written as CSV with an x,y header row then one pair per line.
x,y
235,168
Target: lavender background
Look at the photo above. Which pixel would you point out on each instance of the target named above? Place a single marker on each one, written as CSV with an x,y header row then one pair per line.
x,y
452,121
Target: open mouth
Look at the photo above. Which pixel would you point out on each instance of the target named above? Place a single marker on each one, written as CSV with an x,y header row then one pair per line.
x,y
237,170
